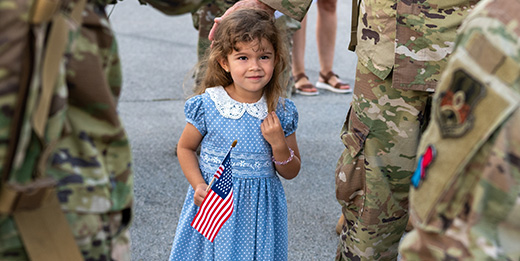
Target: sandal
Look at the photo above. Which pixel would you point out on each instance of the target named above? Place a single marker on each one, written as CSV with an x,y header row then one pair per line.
x,y
340,87
305,89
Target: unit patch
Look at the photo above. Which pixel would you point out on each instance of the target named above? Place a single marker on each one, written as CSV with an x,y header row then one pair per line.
x,y
424,162
454,113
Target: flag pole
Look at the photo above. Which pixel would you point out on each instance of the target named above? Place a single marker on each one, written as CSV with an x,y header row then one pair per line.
x,y
213,179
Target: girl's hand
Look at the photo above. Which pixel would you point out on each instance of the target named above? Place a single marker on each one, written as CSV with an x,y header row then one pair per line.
x,y
272,130
273,133
200,193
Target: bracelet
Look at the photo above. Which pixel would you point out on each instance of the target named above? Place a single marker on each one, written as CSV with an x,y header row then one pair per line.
x,y
286,161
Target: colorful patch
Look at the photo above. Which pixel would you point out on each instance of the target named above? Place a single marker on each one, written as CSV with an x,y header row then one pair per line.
x,y
454,113
424,162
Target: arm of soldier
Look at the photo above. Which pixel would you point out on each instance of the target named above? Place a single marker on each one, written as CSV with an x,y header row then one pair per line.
x,y
187,154
296,9
293,8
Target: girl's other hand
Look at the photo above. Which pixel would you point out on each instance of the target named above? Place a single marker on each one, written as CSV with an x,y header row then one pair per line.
x,y
200,194
272,130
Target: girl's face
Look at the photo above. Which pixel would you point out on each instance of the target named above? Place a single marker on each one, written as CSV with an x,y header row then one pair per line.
x,y
251,67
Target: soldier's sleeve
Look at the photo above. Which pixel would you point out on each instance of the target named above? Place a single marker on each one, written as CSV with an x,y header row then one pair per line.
x,y
175,7
465,199
295,9
14,32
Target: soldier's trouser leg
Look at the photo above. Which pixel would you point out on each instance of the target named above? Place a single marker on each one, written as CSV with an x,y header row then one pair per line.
x,y
288,26
206,16
381,135
101,236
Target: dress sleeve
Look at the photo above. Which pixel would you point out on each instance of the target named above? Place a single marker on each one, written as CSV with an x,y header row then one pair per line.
x,y
194,111
289,117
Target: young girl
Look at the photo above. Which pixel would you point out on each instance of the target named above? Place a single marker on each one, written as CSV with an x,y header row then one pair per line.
x,y
245,62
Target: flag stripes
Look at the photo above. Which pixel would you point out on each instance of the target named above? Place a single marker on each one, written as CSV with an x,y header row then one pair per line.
x,y
213,214
219,172
217,206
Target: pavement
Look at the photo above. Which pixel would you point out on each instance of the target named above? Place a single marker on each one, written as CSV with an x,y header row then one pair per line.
x,y
158,54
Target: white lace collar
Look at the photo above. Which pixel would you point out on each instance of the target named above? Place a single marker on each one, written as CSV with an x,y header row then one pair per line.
x,y
229,108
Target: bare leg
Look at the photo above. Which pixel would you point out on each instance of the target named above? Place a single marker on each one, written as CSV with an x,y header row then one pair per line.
x,y
326,28
298,51
298,59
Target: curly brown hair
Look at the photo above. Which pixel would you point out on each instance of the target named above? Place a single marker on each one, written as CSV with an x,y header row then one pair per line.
x,y
245,26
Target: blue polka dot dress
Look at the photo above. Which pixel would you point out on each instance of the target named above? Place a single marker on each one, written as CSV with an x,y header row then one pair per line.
x,y
257,229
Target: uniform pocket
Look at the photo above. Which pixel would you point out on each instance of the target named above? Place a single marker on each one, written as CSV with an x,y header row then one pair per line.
x,y
350,170
354,133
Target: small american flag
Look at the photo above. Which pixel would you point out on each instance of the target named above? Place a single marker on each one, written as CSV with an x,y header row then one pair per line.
x,y
217,206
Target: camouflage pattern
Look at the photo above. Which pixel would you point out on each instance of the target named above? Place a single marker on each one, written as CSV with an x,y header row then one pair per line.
x,y
412,39
175,7
373,174
467,207
295,9
402,48
289,26
87,147
203,20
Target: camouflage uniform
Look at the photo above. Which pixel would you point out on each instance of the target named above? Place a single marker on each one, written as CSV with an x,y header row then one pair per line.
x,y
402,48
203,20
465,202
290,26
89,154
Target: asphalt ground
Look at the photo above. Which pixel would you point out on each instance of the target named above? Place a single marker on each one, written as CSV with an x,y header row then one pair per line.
x,y
158,53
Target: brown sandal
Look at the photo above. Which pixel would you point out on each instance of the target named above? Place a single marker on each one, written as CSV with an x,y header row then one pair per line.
x,y
305,89
339,87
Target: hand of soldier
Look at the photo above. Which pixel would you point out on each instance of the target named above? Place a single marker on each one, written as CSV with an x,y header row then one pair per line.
x,y
200,193
252,4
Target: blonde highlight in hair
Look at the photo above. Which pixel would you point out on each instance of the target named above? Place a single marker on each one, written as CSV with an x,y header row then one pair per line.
x,y
245,26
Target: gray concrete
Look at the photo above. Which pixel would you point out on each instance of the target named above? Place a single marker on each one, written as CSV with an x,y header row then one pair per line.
x,y
158,54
